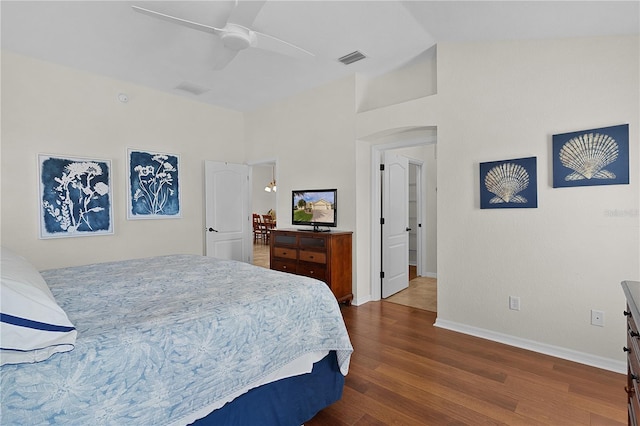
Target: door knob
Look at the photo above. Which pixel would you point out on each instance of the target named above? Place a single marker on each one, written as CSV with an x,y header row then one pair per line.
x,y
212,230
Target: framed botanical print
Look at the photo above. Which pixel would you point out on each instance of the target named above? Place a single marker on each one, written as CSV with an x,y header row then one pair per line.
x,y
75,196
154,185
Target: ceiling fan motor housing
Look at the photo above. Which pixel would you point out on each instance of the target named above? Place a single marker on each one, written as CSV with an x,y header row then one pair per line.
x,y
236,37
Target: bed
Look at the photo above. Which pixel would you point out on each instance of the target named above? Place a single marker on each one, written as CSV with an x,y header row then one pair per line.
x,y
173,340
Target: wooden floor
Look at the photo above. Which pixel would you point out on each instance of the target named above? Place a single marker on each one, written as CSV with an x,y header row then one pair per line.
x,y
422,293
404,371
261,254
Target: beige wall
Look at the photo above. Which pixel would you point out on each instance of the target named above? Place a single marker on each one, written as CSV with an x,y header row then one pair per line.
x,y
414,80
495,101
505,100
312,137
568,256
50,109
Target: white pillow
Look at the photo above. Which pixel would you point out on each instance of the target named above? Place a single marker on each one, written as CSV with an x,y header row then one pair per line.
x,y
32,325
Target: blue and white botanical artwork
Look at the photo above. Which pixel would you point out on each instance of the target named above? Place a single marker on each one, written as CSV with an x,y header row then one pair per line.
x,y
154,185
509,184
75,197
591,157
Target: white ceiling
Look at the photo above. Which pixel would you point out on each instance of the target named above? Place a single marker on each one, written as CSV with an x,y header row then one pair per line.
x,y
109,38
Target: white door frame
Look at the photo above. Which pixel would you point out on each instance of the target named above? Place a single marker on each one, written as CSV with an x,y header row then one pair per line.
x,y
419,215
376,199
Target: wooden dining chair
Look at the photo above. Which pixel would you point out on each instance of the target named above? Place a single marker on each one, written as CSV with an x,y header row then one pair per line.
x,y
259,229
269,224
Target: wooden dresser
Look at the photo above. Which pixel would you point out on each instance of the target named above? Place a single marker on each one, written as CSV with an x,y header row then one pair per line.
x,y
325,256
632,293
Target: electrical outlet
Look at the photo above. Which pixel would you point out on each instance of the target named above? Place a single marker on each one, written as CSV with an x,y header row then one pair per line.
x,y
514,303
597,318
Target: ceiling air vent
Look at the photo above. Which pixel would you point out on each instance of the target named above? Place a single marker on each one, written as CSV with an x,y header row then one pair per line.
x,y
352,57
194,89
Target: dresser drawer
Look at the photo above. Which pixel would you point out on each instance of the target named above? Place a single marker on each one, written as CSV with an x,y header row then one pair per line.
x,y
633,343
319,242
634,404
632,294
313,256
285,239
634,409
284,265
633,363
317,271
286,253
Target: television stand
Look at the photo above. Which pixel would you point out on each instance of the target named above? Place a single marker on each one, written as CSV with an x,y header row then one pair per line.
x,y
316,228
325,256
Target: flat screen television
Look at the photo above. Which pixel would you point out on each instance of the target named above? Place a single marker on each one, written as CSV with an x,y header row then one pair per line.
x,y
314,207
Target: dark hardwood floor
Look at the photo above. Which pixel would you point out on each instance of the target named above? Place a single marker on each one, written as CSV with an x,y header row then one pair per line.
x,y
405,371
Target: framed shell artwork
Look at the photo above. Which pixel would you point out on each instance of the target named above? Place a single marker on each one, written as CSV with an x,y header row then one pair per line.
x,y
591,157
509,184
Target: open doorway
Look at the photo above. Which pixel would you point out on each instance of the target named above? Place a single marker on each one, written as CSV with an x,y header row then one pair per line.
x,y
263,203
423,140
421,290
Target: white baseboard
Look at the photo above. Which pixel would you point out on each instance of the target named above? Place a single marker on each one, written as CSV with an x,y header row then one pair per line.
x,y
430,275
556,351
361,301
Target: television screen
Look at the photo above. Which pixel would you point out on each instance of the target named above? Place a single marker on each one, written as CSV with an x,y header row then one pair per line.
x,y
316,207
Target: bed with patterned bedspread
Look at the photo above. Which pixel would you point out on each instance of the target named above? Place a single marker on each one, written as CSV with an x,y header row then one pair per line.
x,y
168,340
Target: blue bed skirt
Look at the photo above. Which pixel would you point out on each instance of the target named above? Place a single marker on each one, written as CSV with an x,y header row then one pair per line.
x,y
291,401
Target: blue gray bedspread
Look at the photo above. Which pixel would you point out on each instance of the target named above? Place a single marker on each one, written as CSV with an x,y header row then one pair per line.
x,y
160,338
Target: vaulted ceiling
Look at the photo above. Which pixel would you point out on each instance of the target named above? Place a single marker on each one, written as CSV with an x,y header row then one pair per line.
x,y
112,39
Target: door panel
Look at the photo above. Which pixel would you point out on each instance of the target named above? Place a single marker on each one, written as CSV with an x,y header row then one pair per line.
x,y
395,234
228,226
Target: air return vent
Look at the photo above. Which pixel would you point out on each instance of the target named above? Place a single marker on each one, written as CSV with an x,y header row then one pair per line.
x,y
194,89
352,57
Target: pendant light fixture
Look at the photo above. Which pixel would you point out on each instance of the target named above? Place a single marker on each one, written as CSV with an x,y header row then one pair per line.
x,y
271,187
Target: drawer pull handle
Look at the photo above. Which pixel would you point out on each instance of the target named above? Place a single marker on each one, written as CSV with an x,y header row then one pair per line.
x,y
633,333
625,349
626,313
634,377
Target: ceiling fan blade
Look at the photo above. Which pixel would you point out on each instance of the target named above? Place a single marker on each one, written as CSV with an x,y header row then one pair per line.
x,y
179,21
245,12
222,58
274,44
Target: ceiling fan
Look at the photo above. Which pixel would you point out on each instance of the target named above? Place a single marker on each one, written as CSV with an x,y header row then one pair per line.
x,y
235,37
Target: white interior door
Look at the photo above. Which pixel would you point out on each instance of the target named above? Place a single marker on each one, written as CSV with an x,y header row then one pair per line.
x,y
395,231
228,225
